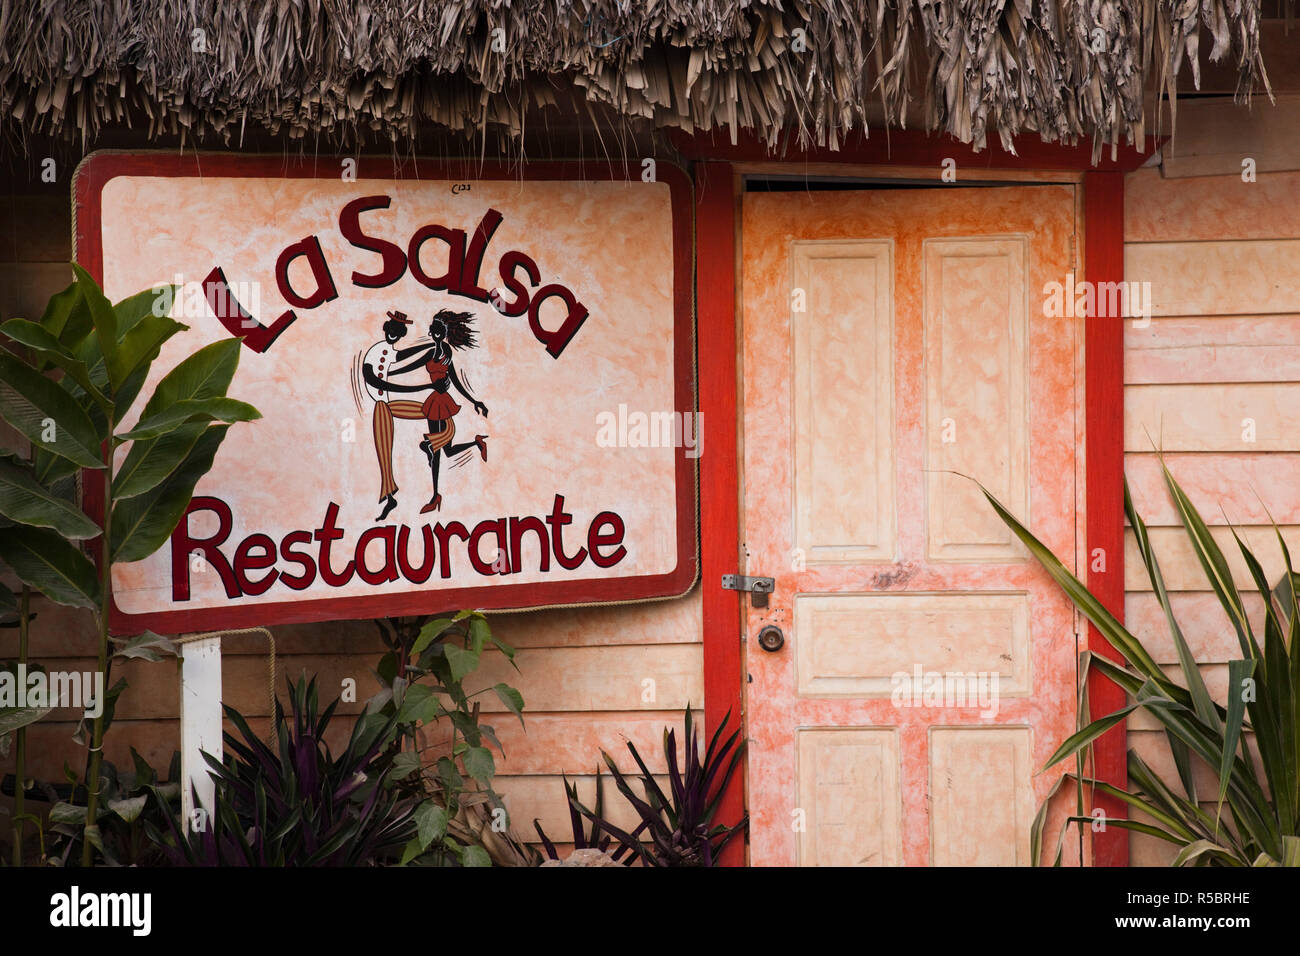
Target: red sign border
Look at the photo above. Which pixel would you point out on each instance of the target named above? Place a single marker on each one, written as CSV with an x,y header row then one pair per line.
x,y
95,172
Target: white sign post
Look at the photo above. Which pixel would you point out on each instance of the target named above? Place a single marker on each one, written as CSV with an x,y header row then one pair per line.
x,y
200,724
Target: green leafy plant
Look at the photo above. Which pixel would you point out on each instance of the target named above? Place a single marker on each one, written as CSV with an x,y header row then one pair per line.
x,y
102,354
678,824
133,803
423,676
1262,704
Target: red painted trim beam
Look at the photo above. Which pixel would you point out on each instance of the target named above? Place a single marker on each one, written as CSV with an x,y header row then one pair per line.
x,y
715,289
1103,213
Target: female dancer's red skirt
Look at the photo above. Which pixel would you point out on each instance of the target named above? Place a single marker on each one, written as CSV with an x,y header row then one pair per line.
x,y
439,407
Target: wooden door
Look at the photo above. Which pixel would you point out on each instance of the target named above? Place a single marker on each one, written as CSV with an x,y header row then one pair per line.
x,y
893,337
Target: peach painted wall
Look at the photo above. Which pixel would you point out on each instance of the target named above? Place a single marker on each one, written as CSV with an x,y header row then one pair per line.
x,y
1222,351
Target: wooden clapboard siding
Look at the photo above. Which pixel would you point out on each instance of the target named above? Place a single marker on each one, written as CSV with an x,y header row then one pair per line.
x,y
1182,570
578,699
1215,136
1263,486
583,672
1217,277
50,746
1214,349
35,247
36,227
1251,416
1222,346
1205,626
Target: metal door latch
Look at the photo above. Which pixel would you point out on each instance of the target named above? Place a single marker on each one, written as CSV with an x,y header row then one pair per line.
x,y
760,588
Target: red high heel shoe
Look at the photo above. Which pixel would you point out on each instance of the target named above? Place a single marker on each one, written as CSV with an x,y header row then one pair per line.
x,y
481,441
433,505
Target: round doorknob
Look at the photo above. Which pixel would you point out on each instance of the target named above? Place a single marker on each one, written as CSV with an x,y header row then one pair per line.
x,y
771,639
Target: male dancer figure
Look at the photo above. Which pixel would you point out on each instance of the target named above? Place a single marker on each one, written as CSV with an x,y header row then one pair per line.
x,y
376,367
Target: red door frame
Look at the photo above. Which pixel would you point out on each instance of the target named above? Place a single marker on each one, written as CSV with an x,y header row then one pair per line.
x,y
717,198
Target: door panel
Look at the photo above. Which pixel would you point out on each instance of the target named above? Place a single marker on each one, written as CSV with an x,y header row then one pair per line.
x,y
892,338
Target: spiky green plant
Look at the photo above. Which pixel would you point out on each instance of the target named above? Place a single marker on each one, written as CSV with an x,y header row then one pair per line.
x,y
1262,704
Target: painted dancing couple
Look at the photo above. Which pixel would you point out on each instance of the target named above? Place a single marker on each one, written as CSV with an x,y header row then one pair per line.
x,y
384,361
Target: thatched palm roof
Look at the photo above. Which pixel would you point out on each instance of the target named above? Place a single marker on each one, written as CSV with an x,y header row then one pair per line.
x,y
351,69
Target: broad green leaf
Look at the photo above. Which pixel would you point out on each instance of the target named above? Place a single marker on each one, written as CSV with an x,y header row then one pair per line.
x,y
141,524
479,764
227,410
475,856
147,646
67,317
26,501
129,313
34,336
430,633
466,722
67,813
431,823
155,302
51,350
449,775
462,662
125,396
93,835
47,415
513,700
479,633
50,469
404,764
205,374
505,649
129,808
45,561
15,718
150,461
101,312
411,851
140,346
418,705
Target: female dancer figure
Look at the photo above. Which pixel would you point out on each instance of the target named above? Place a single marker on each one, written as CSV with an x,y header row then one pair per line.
x,y
449,331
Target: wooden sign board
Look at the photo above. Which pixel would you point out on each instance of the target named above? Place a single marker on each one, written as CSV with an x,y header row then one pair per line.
x,y
475,393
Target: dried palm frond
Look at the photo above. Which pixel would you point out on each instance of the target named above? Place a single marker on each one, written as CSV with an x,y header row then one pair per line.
x,y
354,70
